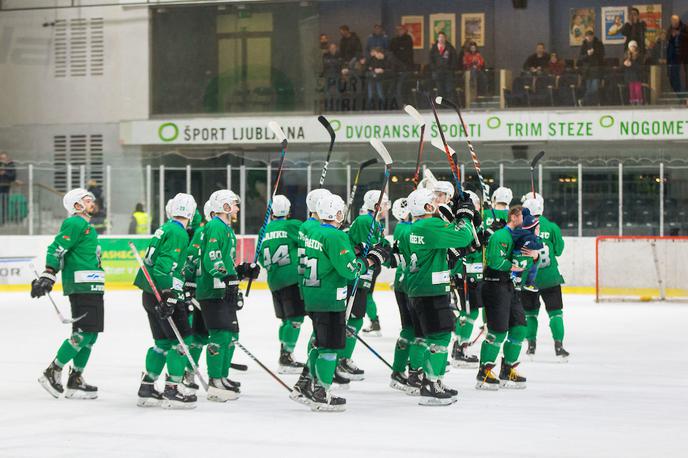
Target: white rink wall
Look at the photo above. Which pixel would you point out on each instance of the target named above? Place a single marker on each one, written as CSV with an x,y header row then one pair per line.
x,y
577,264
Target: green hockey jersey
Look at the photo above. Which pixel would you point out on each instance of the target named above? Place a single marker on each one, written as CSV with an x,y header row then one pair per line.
x,y
75,252
279,253
218,251
165,258
548,274
429,239
358,235
488,219
304,230
472,263
330,264
193,256
401,236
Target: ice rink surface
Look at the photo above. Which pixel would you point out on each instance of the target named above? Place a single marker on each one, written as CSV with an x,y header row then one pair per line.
x,y
623,393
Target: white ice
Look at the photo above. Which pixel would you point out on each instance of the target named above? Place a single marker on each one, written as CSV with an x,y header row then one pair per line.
x,y
623,393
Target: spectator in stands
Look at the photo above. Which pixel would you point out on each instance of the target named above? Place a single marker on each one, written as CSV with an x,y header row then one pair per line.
x,y
18,206
382,69
443,63
634,30
93,187
473,62
8,175
99,219
677,52
592,62
324,42
401,47
555,66
536,63
656,50
633,73
140,220
349,45
377,39
332,69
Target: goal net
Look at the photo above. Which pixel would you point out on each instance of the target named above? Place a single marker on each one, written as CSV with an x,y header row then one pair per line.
x,y
641,268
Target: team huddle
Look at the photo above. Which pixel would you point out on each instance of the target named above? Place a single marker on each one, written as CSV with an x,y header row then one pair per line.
x,y
454,254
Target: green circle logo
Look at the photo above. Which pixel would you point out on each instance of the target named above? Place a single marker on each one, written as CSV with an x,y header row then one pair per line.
x,y
336,124
168,132
493,122
607,121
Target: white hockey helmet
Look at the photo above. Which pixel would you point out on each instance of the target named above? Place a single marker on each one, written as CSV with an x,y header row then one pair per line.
x,y
208,210
73,197
222,197
418,199
313,197
502,195
400,209
370,199
182,205
331,208
534,205
537,196
474,198
280,206
445,187
168,206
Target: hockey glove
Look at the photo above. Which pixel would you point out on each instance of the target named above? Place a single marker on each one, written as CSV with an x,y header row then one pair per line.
x,y
445,213
395,258
232,294
170,301
43,284
477,219
494,227
248,270
379,254
465,209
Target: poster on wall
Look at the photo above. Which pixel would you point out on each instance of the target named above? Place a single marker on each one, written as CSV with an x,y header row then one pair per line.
x,y
582,20
443,22
652,15
414,27
473,28
613,18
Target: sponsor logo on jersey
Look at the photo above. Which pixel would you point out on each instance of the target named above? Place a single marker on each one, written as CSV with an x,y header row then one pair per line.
x,y
417,239
66,237
344,251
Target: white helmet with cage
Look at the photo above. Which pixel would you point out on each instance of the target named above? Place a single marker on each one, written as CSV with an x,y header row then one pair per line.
x,y
370,199
445,187
73,197
280,206
182,206
313,197
502,195
400,209
418,199
331,208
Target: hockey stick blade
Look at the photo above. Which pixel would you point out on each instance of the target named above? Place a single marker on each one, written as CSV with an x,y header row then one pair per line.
x,y
367,163
536,159
277,130
326,124
414,113
437,143
381,150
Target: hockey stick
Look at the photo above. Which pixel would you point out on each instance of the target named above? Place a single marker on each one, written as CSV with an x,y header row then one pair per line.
x,y
350,203
372,350
533,163
257,361
421,122
185,349
330,130
387,159
446,148
277,130
59,314
474,155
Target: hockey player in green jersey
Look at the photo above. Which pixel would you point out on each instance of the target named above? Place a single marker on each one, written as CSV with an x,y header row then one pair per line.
x,y
548,282
164,260
428,283
468,277
218,294
279,256
330,264
358,236
75,252
501,199
503,308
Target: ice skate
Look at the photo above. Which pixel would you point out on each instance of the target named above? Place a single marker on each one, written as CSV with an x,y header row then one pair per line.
x,y
486,380
340,383
462,359
287,365
301,388
433,394
77,388
509,378
51,380
322,400
414,382
173,398
347,369
561,354
454,393
189,381
220,392
373,329
530,352
399,381
148,396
